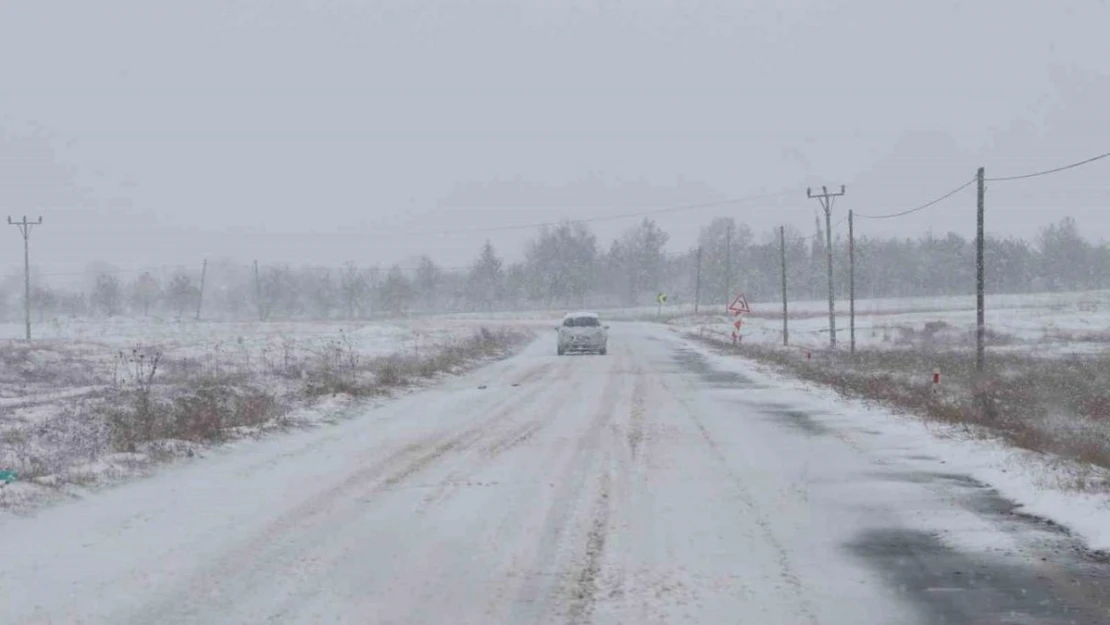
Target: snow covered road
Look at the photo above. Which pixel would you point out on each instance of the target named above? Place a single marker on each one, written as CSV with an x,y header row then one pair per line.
x,y
647,486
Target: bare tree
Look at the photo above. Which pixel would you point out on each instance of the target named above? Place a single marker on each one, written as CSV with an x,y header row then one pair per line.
x,y
107,295
354,287
321,290
44,300
396,291
145,292
429,280
182,294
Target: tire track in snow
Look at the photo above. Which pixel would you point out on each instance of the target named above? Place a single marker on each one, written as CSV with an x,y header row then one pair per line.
x,y
456,482
383,475
498,445
568,591
618,465
630,464
586,582
506,531
529,375
636,417
786,569
489,453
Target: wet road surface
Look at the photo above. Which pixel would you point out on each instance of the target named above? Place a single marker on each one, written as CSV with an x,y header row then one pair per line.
x,y
651,485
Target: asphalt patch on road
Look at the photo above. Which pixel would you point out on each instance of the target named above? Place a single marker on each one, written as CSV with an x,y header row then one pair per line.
x,y
977,497
927,477
1052,579
800,420
691,360
948,587
793,417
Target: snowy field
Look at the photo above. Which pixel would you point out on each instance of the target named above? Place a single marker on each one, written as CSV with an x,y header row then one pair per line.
x,y
60,393
663,483
1036,324
1043,324
1040,484
1039,411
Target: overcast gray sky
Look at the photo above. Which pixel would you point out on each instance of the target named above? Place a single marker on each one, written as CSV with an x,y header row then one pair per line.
x,y
320,131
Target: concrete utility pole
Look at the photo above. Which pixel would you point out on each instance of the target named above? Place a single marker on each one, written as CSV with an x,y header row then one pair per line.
x,y
980,278
697,284
25,229
782,251
258,293
200,293
851,281
728,263
826,200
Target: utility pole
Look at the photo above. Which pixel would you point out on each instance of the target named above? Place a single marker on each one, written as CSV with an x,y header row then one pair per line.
x,y
782,250
826,200
852,281
728,263
200,295
697,283
980,278
372,298
25,229
258,293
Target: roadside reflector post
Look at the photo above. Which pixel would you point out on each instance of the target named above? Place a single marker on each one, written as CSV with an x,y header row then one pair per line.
x,y
936,378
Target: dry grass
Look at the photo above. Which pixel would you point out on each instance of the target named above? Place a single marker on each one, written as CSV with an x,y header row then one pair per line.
x,y
149,408
342,372
1065,336
1055,406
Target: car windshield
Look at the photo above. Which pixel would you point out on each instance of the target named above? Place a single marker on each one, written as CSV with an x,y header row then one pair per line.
x,y
582,322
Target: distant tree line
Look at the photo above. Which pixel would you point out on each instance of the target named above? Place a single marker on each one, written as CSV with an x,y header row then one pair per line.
x,y
565,266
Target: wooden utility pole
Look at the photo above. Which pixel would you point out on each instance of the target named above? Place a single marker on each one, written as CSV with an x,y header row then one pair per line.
x,y
25,229
200,295
728,263
782,251
258,293
372,296
826,200
697,284
980,279
697,281
851,282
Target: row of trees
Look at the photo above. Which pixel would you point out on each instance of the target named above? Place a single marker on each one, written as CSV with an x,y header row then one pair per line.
x,y
566,266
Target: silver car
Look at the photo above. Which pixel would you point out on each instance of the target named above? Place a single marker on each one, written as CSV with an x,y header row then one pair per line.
x,y
583,332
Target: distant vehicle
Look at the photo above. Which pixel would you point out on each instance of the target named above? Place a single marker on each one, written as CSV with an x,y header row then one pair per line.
x,y
582,332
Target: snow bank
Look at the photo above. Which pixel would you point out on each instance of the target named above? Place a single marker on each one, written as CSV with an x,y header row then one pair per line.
x,y
1039,484
1044,325
69,401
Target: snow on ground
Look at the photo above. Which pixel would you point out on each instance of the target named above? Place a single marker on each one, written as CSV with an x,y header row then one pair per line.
x,y
187,337
71,358
652,485
1043,324
56,391
1040,484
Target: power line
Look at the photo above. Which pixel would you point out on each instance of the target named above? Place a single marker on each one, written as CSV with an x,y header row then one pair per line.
x,y
923,206
1050,171
821,234
648,213
413,135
